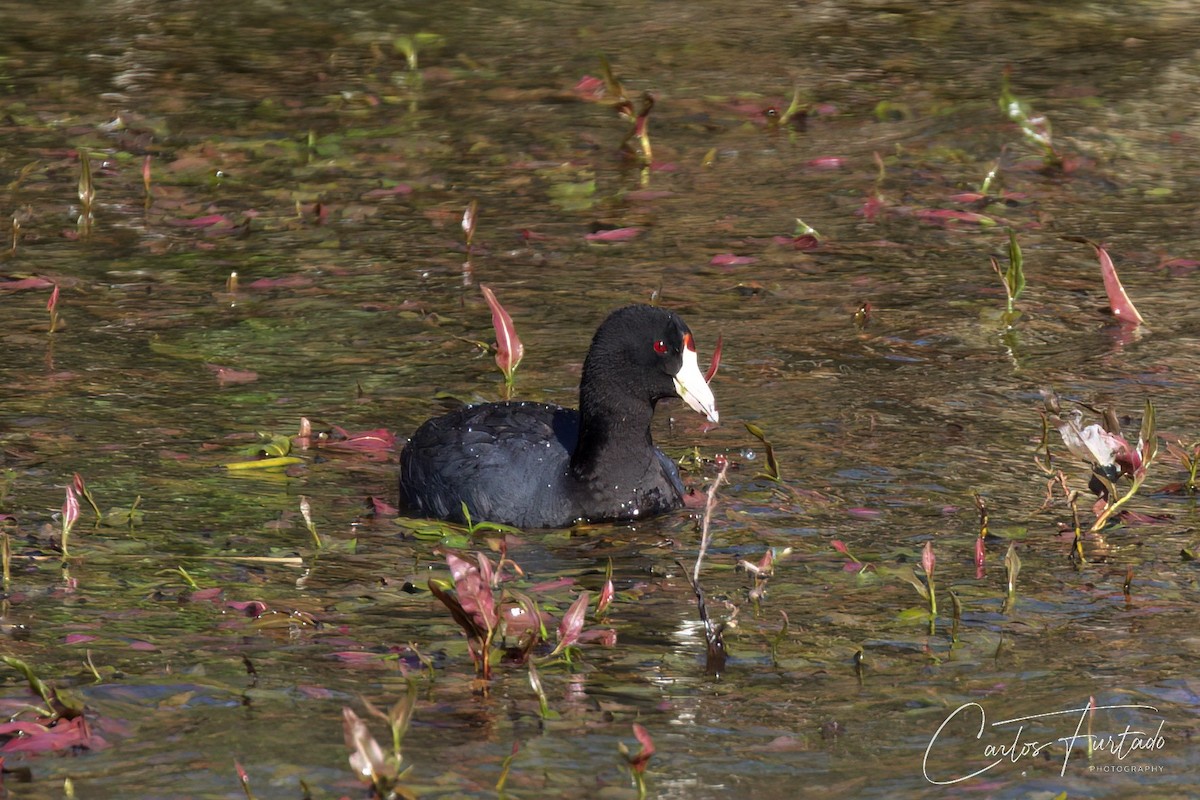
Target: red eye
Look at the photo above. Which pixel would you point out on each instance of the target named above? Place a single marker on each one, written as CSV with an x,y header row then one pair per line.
x,y
660,347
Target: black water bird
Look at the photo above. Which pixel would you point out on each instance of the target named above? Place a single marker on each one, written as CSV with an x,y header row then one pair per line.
x,y
535,465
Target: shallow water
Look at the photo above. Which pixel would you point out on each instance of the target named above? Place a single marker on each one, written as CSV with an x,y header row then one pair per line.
x,y
364,312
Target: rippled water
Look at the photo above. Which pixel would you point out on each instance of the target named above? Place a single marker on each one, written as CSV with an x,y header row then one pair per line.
x,y
364,312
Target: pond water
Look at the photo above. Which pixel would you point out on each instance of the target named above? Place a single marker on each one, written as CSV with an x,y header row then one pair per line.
x,y
326,152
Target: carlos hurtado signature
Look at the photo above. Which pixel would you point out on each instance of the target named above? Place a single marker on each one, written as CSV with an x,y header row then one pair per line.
x,y
1016,747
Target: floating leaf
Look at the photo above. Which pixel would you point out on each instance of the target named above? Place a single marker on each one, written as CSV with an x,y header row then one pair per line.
x,y
265,463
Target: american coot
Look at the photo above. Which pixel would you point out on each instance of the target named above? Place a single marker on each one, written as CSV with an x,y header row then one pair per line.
x,y
535,465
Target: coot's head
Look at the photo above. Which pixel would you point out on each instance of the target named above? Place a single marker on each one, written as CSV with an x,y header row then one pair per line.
x,y
646,353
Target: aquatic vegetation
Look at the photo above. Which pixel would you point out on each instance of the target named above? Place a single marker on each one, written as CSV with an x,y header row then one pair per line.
x,y
59,724
714,633
1013,278
1118,301
87,193
509,348
82,490
1034,127
925,587
1111,457
772,471
639,119
637,761
383,772
1188,456
469,221
1012,568
70,515
52,309
794,115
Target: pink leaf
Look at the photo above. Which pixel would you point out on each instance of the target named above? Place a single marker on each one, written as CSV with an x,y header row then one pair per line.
x,y
202,222
840,546
227,376
928,561
572,622
871,208
606,597
550,586
827,162
980,551
377,439
24,283
52,303
381,507
251,608
70,509
803,242
730,260
589,87
614,235
509,350
474,592
1122,307
79,638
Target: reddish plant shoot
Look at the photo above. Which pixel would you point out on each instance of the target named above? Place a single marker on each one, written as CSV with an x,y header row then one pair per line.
x,y
571,624
146,181
52,308
1122,307
509,349
637,761
83,491
605,599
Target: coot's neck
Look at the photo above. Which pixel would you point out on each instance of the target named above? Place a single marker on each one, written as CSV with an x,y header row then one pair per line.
x,y
614,436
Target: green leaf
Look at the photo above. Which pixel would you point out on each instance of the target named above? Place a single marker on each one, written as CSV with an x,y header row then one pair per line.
x,y
1014,278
